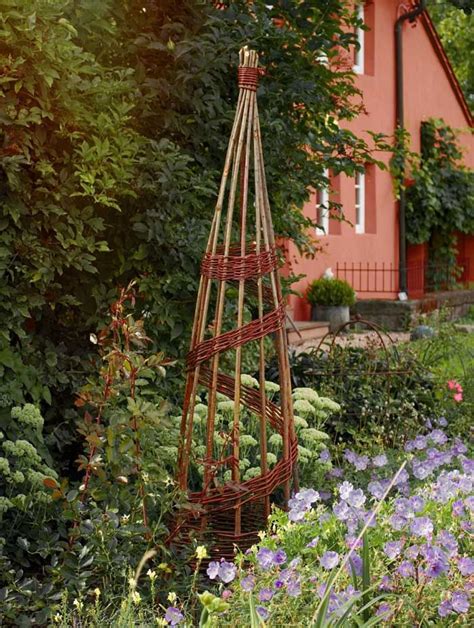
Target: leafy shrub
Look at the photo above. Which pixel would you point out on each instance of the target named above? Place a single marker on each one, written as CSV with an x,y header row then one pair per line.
x,y
113,136
29,539
383,396
330,292
121,504
71,536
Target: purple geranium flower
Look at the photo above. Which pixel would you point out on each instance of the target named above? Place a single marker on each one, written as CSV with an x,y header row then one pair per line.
x,y
403,477
460,602
361,463
265,558
301,503
445,608
459,447
448,541
297,511
345,490
313,543
392,549
435,568
412,552
213,570
398,522
227,571
308,495
352,542
383,609
329,560
406,569
248,583
376,489
325,456
438,437
386,584
356,498
293,587
173,616
355,564
262,611
294,563
421,469
350,456
466,566
265,595
420,442
422,526
279,557
380,460
341,510
436,560
417,503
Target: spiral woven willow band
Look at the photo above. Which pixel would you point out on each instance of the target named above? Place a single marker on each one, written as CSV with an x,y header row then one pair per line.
x,y
237,268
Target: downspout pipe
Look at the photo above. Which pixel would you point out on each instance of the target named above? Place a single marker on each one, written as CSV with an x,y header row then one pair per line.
x,y
400,125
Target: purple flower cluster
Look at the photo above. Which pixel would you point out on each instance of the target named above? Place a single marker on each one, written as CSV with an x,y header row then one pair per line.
x,y
350,508
223,570
287,579
420,552
267,558
405,511
302,503
458,602
360,463
452,484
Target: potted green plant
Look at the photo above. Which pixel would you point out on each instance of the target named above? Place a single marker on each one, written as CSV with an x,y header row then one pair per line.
x,y
331,299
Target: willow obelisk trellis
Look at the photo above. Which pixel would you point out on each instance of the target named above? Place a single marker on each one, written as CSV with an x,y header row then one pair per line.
x,y
240,253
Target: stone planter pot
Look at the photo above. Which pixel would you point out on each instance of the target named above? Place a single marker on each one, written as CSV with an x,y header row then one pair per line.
x,y
335,315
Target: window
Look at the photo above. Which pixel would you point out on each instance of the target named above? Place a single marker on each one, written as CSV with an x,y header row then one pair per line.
x,y
360,202
359,51
322,206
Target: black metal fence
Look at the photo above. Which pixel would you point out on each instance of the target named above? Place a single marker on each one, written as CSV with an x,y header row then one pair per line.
x,y
381,278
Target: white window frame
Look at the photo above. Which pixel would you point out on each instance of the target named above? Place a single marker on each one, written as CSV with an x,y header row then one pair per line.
x,y
322,209
360,202
359,53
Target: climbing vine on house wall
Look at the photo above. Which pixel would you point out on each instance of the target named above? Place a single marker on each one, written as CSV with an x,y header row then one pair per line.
x,y
440,194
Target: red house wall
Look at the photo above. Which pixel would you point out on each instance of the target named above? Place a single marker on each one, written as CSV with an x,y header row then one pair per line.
x,y
430,92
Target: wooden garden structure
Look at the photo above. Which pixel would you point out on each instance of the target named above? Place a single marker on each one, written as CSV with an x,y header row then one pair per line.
x,y
239,277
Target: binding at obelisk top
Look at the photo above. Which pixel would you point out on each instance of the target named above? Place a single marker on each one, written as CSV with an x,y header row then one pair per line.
x,y
239,275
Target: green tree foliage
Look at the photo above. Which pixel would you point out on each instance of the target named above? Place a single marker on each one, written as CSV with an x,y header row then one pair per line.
x,y
456,29
115,120
184,56
466,5
67,161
